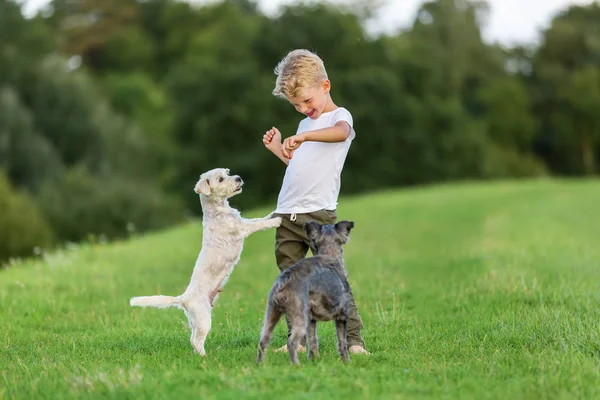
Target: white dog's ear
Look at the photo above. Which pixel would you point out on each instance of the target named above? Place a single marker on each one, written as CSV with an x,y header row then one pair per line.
x,y
202,187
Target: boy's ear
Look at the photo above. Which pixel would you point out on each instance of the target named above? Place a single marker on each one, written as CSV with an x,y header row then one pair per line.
x,y
312,229
202,187
326,85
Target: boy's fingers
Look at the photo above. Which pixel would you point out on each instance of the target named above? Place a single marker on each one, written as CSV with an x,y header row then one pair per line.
x,y
291,145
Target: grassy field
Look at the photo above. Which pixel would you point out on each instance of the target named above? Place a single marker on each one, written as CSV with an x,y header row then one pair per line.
x,y
487,291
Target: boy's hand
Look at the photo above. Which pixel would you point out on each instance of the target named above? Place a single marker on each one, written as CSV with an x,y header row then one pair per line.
x,y
291,144
272,140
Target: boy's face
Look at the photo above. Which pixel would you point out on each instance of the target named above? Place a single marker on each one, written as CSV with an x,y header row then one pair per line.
x,y
312,101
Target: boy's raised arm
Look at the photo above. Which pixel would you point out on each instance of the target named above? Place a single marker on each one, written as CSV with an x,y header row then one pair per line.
x,y
272,141
337,133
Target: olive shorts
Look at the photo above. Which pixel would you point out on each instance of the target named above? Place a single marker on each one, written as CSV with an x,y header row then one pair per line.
x,y
292,245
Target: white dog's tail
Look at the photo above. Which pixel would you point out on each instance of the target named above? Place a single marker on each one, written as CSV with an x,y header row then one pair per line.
x,y
155,301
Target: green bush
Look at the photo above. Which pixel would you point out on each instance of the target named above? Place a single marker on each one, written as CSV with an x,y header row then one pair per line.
x,y
79,205
501,162
22,225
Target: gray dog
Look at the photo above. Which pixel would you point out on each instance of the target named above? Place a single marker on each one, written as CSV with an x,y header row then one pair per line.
x,y
314,289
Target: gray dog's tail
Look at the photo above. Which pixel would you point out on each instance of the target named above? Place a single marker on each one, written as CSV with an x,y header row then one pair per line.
x,y
155,301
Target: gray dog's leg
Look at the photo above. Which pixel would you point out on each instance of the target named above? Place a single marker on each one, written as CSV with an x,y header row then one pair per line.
x,y
341,327
299,322
313,340
272,317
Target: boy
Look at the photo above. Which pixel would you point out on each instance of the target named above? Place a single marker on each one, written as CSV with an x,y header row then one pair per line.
x,y
314,157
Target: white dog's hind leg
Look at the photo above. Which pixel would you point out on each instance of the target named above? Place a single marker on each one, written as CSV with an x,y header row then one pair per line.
x,y
199,314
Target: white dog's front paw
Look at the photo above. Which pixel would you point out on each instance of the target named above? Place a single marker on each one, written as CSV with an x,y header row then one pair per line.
x,y
276,222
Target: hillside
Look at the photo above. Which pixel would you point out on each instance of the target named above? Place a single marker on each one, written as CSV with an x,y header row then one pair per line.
x,y
466,291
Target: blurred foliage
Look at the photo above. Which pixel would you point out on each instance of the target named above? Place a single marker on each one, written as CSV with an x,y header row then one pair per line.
x,y
109,207
23,227
110,109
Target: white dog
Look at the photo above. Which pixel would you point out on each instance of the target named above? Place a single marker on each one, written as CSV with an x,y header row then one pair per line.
x,y
224,231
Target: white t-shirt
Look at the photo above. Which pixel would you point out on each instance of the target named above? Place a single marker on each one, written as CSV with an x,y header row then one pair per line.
x,y
313,176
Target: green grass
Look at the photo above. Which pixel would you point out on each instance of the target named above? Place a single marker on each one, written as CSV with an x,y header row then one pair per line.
x,y
473,291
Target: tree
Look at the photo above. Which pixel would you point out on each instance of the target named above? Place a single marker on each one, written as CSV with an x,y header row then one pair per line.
x,y
581,116
85,26
28,158
222,102
508,114
22,44
22,225
565,70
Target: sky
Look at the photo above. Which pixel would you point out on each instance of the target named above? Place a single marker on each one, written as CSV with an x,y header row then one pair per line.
x,y
510,21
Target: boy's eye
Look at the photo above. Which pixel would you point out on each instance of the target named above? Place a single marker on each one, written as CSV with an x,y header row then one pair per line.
x,y
307,101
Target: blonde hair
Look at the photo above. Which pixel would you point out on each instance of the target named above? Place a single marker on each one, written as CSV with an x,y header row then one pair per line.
x,y
300,69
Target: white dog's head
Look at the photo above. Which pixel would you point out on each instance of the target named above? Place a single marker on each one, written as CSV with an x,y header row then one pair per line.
x,y
217,182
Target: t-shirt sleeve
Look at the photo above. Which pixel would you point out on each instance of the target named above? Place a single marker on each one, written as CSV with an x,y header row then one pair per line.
x,y
344,115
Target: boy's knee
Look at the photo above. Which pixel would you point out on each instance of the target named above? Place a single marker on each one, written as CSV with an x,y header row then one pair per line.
x,y
289,247
284,261
287,253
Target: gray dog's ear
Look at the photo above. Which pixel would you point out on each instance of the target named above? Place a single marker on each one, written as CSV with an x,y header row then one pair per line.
x,y
344,228
202,187
312,229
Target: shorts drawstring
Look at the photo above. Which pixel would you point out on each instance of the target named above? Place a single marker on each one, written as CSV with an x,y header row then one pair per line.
x,y
293,217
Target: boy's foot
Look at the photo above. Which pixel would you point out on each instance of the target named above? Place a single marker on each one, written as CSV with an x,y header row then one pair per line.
x,y
284,349
357,349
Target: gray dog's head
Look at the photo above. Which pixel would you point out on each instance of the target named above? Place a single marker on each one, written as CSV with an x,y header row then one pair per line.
x,y
328,239
217,182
